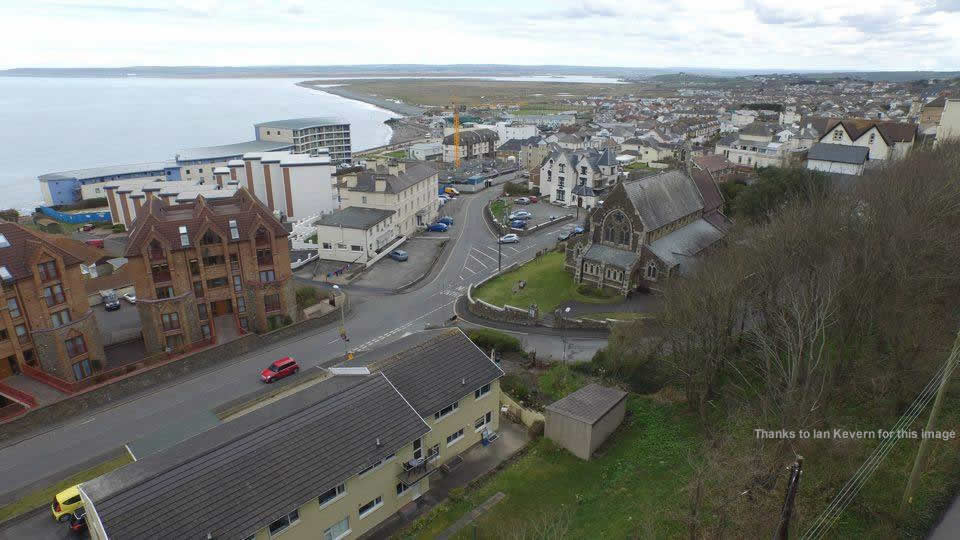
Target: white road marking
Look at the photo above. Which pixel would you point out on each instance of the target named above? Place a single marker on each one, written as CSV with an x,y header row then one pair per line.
x,y
334,341
467,268
384,336
484,254
87,421
478,261
493,249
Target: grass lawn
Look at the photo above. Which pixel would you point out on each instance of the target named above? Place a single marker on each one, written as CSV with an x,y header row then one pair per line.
x,y
43,496
499,208
635,485
548,284
619,315
636,165
399,154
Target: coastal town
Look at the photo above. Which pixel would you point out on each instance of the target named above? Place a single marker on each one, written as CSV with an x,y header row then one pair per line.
x,y
462,300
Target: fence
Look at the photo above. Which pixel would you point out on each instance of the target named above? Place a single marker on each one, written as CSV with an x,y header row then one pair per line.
x,y
86,217
527,416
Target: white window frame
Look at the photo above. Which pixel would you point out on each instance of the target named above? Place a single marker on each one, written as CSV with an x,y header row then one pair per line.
x,y
377,504
341,491
440,415
290,523
458,436
480,392
485,420
344,534
379,463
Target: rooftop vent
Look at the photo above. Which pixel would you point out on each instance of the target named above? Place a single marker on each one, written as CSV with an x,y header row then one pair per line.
x,y
378,441
4,242
463,381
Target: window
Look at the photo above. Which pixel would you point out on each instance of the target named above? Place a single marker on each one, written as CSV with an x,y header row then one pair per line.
x,y
241,305
651,271
285,522
334,493
205,329
13,307
338,529
209,237
53,295
446,410
48,271
401,488
355,248
482,391
873,137
164,292
267,276
81,370
184,239
363,200
376,464
171,321
244,324
60,318
341,246
417,449
216,282
202,311
173,342
194,267
198,289
327,245
237,284
75,346
454,437
370,507
21,331
271,302
234,262
481,422
234,232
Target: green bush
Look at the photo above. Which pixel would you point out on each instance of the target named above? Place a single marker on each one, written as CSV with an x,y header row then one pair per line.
x,y
515,387
9,214
492,339
53,228
559,381
509,188
119,227
306,297
457,494
587,289
535,431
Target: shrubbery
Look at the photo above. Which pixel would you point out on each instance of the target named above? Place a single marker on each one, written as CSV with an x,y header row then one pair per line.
x,y
491,339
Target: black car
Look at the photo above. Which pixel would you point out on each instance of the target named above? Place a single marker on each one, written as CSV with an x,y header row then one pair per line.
x,y
78,520
111,303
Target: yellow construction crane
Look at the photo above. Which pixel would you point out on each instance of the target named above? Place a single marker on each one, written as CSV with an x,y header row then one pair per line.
x,y
456,135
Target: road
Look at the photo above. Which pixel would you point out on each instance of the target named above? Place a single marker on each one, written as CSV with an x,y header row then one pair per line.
x,y
184,407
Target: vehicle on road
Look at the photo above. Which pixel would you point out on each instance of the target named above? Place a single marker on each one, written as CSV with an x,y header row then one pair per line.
x,y
522,200
446,220
520,214
451,191
65,502
509,239
534,199
130,297
96,242
398,255
578,230
279,369
518,224
110,300
78,521
87,227
438,227
564,235
525,174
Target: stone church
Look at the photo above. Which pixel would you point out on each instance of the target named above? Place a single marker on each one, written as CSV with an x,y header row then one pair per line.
x,y
647,230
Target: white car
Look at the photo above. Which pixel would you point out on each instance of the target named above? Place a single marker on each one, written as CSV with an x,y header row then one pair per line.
x,y
520,214
509,239
130,297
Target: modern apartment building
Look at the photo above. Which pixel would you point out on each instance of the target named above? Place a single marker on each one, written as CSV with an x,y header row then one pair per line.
x,y
330,461
207,263
309,135
46,322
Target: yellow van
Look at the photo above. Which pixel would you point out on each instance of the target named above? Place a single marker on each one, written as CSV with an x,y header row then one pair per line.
x,y
451,191
65,503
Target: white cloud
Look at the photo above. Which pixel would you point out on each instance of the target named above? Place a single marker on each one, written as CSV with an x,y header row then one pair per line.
x,y
771,34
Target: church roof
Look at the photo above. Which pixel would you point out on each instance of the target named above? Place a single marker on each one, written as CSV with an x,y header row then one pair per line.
x,y
663,198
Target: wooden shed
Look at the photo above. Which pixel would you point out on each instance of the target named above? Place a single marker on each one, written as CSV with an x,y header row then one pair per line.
x,y
581,421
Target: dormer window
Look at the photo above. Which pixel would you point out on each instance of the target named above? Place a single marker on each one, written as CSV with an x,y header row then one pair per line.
x,y
210,237
234,231
48,271
261,237
184,237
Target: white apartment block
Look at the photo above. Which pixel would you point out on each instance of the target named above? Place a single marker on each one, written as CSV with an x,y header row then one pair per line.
x,y
309,135
295,185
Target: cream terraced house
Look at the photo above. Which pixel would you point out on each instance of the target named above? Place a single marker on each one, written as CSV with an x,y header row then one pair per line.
x,y
331,461
407,188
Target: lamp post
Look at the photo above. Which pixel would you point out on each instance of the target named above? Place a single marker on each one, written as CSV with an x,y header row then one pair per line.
x,y
343,329
563,358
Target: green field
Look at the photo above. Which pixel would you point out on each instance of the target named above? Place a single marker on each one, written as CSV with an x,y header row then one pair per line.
x,y
634,485
548,284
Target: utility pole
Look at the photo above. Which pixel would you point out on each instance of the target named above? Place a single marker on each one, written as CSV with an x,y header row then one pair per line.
x,y
793,484
343,329
924,451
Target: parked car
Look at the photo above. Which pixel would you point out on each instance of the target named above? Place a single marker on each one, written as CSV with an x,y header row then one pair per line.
x,y
130,297
446,220
578,230
520,214
111,302
564,235
87,227
525,174
279,369
438,227
65,502
398,255
451,191
518,224
97,243
534,199
522,200
78,521
509,239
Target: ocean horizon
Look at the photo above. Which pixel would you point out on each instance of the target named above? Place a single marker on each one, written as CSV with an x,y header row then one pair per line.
x,y
61,124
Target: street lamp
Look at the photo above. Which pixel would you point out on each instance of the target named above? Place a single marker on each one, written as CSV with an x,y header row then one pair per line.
x,y
563,358
343,328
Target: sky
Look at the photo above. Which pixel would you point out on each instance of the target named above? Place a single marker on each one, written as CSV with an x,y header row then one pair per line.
x,y
748,34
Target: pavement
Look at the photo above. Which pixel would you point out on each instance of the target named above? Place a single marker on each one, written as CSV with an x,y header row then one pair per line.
x,y
375,319
43,393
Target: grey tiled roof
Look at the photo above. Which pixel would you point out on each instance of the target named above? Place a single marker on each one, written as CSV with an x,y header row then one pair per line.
x,y
589,403
473,136
840,153
412,174
664,198
610,255
354,217
685,242
432,369
240,476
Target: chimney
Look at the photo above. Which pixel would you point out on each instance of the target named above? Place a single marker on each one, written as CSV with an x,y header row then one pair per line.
x,y
380,184
351,180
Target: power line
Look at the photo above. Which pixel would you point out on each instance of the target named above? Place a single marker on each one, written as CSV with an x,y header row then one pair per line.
x,y
853,486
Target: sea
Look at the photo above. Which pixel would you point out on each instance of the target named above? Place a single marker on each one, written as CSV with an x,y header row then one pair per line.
x,y
58,124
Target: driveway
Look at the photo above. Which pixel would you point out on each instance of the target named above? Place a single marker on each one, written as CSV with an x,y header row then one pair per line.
x,y
422,252
120,325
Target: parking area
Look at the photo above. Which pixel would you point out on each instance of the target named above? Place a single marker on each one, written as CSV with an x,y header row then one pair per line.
x,y
421,250
120,325
542,212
